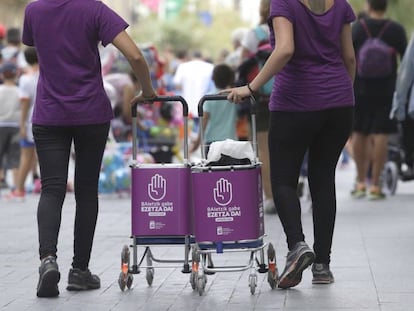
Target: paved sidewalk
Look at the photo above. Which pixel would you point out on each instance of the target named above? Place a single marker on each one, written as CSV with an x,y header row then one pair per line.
x,y
371,260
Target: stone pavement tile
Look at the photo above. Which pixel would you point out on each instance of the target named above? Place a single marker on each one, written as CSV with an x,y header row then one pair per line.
x,y
399,301
371,254
395,307
330,298
395,271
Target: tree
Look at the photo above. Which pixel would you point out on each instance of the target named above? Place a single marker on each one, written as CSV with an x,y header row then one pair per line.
x,y
11,12
401,11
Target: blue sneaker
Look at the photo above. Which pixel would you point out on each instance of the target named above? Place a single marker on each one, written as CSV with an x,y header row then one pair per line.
x,y
298,259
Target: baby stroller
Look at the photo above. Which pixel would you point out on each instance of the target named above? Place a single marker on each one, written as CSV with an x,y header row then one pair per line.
x,y
400,163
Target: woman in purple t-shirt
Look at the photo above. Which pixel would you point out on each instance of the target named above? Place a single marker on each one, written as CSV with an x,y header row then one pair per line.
x,y
311,108
72,107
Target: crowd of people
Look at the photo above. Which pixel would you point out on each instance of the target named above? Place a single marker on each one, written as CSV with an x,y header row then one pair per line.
x,y
326,98
19,75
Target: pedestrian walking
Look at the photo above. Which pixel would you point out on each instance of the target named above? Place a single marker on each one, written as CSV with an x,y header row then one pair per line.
x,y
374,87
219,117
311,108
193,79
72,107
256,49
10,111
403,107
27,94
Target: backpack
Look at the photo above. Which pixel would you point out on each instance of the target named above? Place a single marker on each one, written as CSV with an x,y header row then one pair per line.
x,y
249,69
375,58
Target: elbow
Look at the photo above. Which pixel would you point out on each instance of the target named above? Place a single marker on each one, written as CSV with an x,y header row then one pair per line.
x,y
287,52
136,58
350,63
349,59
287,56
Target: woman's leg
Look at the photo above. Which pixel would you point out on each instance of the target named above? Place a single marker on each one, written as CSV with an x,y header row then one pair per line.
x,y
27,157
361,144
53,148
379,157
324,153
288,141
89,142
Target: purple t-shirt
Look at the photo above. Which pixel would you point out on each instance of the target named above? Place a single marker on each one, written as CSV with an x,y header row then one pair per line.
x,y
66,34
315,78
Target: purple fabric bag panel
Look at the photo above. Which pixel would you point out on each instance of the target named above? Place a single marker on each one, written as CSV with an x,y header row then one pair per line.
x,y
228,205
161,202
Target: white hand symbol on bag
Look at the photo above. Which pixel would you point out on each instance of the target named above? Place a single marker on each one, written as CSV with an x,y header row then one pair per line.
x,y
223,192
157,188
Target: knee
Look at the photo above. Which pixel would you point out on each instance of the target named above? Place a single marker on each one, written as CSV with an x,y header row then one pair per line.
x,y
54,186
281,191
86,191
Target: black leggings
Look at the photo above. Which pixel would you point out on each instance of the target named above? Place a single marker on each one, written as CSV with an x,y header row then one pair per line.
x,y
53,146
324,134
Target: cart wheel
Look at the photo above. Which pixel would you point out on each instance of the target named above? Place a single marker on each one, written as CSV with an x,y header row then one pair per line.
x,y
390,177
195,262
252,283
272,273
150,276
193,278
121,281
271,279
125,255
194,253
201,284
129,281
124,275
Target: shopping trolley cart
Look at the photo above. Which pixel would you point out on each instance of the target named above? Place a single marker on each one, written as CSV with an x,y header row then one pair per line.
x,y
228,214
160,207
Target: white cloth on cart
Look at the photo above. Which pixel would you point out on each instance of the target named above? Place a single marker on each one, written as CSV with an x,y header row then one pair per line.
x,y
232,148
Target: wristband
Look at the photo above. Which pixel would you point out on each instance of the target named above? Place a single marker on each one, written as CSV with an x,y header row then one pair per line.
x,y
250,89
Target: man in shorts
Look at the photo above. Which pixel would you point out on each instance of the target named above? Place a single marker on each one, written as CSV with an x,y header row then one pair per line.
x,y
373,101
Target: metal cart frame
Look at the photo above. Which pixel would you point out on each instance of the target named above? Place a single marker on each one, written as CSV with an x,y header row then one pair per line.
x,y
182,238
202,250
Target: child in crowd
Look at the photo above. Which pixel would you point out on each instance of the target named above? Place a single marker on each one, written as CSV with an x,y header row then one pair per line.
x,y
27,90
219,117
9,119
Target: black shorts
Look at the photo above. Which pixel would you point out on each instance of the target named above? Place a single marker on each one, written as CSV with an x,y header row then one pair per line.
x,y
372,115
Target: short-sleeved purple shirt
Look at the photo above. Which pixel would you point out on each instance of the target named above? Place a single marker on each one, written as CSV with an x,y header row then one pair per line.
x,y
66,34
315,78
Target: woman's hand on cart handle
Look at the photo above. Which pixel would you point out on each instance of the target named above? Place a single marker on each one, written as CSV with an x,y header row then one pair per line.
x,y
237,94
141,97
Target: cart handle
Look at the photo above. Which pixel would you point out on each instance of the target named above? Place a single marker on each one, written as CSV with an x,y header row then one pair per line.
x,y
224,97
165,98
135,123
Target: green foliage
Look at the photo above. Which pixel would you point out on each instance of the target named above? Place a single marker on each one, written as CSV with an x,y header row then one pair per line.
x,y
167,34
187,32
